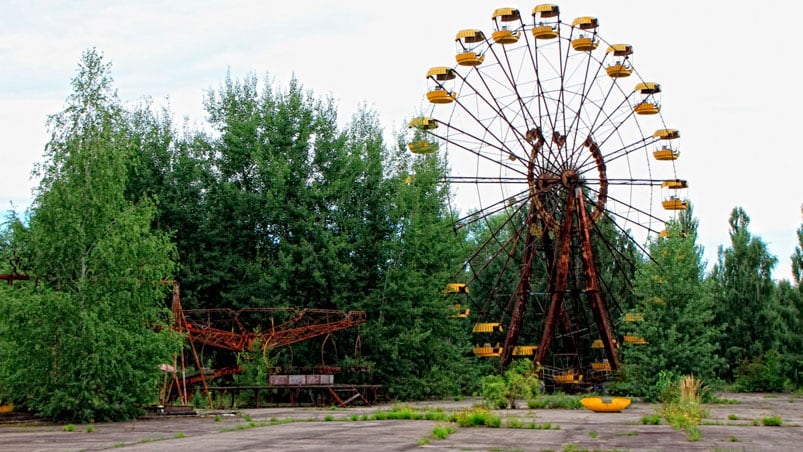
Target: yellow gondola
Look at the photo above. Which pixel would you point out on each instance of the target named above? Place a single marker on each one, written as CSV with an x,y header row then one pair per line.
x,y
545,29
675,184
635,340
440,94
621,68
569,377
524,350
422,147
585,43
649,104
423,123
467,41
456,288
634,317
459,312
675,203
488,327
503,33
601,366
487,351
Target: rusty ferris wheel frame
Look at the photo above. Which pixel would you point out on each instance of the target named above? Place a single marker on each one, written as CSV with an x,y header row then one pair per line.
x,y
555,133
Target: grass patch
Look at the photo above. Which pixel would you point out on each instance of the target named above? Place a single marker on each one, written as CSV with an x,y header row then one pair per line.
x,y
772,421
218,418
733,417
514,423
179,435
423,441
557,400
329,418
651,419
733,439
478,417
593,435
90,428
442,431
722,401
68,428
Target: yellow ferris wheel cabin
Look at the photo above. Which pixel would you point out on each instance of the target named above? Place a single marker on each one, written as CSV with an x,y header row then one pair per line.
x,y
621,67
585,42
503,28
544,27
467,42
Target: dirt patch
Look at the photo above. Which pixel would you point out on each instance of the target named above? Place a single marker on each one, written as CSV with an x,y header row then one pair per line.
x,y
733,426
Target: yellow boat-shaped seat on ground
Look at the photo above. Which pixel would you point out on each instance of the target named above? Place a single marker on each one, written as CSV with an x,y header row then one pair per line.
x,y
605,404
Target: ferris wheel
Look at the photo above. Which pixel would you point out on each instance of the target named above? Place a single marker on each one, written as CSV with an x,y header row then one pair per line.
x,y
561,162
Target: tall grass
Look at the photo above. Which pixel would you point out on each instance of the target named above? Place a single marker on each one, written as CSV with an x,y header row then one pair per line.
x,y
684,410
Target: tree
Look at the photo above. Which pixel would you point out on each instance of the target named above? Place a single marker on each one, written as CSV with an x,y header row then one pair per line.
x,y
744,295
85,342
677,311
418,351
790,305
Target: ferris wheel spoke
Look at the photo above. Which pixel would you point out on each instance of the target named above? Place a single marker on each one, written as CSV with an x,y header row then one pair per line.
x,y
498,110
588,164
477,151
631,207
491,210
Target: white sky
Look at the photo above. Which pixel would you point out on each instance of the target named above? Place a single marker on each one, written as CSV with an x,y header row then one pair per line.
x,y
728,70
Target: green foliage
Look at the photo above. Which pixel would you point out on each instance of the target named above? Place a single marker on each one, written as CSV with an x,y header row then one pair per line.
x,y
745,296
557,400
683,408
760,374
772,421
442,431
678,312
518,382
478,417
651,419
790,335
85,342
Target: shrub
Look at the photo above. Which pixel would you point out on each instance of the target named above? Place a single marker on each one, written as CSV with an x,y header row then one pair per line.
x,y
772,421
682,408
518,382
478,417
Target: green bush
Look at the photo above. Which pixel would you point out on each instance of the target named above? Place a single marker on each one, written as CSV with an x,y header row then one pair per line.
x,y
478,417
760,374
772,421
518,382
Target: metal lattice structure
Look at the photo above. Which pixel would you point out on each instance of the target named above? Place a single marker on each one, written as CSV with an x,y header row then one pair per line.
x,y
560,149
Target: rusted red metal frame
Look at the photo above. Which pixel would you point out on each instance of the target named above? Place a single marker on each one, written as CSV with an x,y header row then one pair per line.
x,y
11,277
598,305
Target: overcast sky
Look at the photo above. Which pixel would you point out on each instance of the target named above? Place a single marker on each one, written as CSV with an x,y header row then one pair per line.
x,y
728,70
